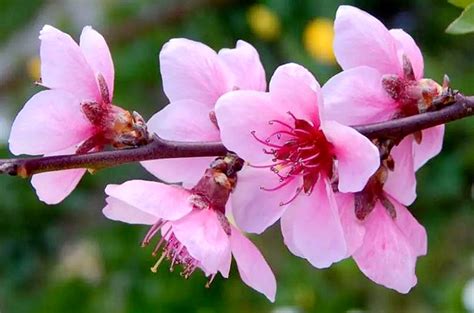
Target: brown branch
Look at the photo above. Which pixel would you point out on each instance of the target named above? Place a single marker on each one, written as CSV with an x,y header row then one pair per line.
x,y
157,149
399,128
160,149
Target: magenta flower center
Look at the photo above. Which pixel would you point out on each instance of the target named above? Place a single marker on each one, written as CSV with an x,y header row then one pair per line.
x,y
172,249
299,150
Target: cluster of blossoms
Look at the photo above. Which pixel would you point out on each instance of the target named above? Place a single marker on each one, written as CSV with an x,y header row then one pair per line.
x,y
294,157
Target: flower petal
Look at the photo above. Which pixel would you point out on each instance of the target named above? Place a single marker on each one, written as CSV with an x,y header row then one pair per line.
x,y
98,56
356,96
357,158
184,120
50,121
406,45
353,230
294,89
431,144
160,200
239,113
202,234
244,63
361,39
401,183
413,231
255,209
192,70
54,187
118,210
253,268
63,65
312,229
186,170
386,256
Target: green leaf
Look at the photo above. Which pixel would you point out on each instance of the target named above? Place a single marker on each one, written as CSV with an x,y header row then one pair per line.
x,y
464,23
461,3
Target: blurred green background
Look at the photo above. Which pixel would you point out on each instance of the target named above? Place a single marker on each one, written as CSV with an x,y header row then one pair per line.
x,y
69,258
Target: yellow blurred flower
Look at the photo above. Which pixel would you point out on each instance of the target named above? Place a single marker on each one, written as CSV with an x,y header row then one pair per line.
x,y
318,39
33,67
264,22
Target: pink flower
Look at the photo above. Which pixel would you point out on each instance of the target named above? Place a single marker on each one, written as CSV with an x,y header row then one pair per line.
x,y
194,77
392,239
75,114
382,79
195,232
388,239
391,246
294,156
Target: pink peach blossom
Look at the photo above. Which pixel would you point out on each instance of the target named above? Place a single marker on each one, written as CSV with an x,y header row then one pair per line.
x,y
386,247
195,233
382,78
294,156
75,114
388,239
194,77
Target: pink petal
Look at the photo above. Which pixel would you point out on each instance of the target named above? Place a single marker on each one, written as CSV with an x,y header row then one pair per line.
x,y
192,70
184,120
163,201
239,113
118,210
401,183
361,39
312,229
406,45
50,121
354,231
63,65
98,56
294,89
54,187
253,268
357,158
431,144
202,234
386,256
255,209
413,231
356,96
186,170
244,63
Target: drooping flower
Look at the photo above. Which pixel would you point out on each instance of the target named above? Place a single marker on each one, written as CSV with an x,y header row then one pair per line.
x,y
75,114
392,239
382,79
195,232
194,77
294,157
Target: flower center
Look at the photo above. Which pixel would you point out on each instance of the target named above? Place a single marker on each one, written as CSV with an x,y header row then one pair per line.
x,y
112,124
413,96
299,150
173,250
